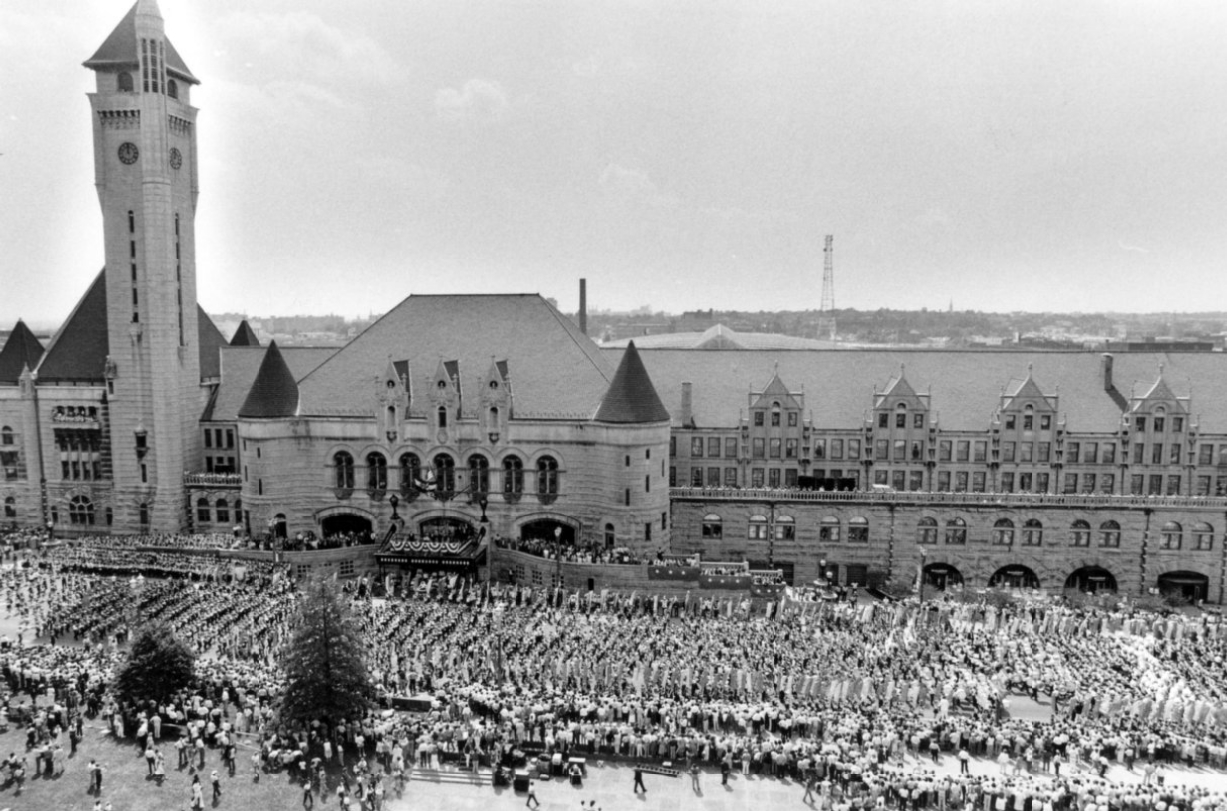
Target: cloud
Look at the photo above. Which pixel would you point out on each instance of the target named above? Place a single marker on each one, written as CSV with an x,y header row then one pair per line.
x,y
301,44
479,100
631,186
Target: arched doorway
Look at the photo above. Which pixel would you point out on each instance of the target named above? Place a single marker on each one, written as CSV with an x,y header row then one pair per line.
x,y
1192,586
279,526
942,576
1091,579
549,530
1016,576
345,524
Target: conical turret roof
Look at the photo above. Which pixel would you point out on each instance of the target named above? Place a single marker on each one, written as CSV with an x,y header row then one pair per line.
x,y
21,350
274,393
631,397
245,336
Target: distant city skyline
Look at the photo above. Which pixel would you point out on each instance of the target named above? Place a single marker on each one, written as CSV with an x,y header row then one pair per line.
x,y
1048,157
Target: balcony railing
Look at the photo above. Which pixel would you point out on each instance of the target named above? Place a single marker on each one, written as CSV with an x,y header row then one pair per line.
x,y
929,498
212,479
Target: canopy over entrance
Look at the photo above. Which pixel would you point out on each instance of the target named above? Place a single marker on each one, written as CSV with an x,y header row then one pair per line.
x,y
1091,579
1016,576
441,542
942,576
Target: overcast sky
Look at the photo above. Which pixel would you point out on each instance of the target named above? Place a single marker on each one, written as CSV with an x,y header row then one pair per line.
x,y
1003,155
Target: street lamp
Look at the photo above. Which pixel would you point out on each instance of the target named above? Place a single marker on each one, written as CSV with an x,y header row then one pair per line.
x,y
394,501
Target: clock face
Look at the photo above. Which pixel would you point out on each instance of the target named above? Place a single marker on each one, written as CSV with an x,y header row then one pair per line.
x,y
176,158
128,153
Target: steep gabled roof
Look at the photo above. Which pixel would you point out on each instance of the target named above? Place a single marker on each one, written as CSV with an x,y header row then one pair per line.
x,y
967,384
120,49
631,397
21,350
211,341
245,335
78,352
240,366
274,394
559,372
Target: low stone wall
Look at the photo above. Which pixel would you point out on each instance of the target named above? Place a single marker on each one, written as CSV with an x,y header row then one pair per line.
x,y
347,561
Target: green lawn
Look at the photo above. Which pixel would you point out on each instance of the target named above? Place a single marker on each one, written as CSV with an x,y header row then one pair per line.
x,y
127,786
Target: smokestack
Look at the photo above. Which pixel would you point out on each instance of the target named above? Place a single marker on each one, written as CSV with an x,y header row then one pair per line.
x,y
583,306
1105,366
687,406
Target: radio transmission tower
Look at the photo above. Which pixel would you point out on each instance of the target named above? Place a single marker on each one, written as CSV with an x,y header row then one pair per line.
x,y
826,312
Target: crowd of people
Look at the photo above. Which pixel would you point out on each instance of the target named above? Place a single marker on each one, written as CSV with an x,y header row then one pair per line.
x,y
579,552
834,694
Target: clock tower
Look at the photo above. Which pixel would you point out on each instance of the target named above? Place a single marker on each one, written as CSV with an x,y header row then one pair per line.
x,y
145,172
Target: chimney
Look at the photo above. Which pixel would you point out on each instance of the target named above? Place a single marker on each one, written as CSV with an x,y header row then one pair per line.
x,y
583,306
687,406
1105,366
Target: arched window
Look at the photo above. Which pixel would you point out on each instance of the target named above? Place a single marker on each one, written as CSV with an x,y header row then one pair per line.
x,y
513,478
901,415
610,536
203,513
926,530
343,467
547,477
1029,417
223,511
494,417
144,517
713,527
858,530
81,511
1170,536
376,474
1109,534
1160,419
442,414
758,528
1080,533
828,529
775,414
123,82
785,528
172,89
479,474
1003,532
410,472
6,435
445,474
1033,533
956,532
110,516
1203,537
10,507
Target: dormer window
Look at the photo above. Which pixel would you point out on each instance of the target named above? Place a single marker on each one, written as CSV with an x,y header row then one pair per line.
x,y
1029,418
1009,422
901,416
442,417
391,384
775,415
493,384
1160,420
442,384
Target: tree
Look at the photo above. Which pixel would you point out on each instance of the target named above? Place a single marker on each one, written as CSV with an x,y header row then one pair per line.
x,y
326,675
159,664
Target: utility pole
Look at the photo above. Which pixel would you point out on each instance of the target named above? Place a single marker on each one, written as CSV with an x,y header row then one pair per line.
x,y
826,311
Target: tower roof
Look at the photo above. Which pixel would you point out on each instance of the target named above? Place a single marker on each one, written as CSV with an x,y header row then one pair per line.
x,y
210,340
631,396
21,350
245,335
274,393
120,48
78,352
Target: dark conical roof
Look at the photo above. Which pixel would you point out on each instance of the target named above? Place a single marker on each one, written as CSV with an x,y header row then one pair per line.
x,y
631,396
22,349
275,392
245,336
78,352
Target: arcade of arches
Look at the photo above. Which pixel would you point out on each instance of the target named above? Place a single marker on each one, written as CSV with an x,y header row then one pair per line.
x,y
1192,586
